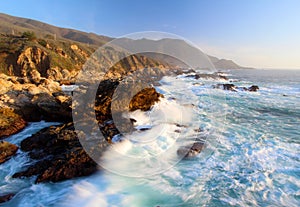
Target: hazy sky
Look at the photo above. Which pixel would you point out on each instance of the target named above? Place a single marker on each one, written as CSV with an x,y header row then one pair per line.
x,y
257,33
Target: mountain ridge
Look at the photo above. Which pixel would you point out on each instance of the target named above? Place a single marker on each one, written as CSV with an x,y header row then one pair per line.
x,y
17,25
11,24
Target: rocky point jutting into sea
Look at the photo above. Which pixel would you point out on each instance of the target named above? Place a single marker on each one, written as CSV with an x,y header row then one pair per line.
x,y
146,119
34,68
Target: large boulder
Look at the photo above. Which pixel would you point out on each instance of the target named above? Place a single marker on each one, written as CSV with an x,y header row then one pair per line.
x,y
144,99
7,150
53,108
10,122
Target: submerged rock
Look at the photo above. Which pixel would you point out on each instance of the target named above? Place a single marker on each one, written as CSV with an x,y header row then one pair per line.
x,y
190,151
207,76
226,86
7,197
7,150
253,88
232,87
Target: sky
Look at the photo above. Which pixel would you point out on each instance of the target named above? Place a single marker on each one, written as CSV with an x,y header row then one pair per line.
x,y
253,33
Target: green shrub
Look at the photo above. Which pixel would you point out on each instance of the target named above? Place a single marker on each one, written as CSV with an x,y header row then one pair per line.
x,y
48,36
29,35
42,42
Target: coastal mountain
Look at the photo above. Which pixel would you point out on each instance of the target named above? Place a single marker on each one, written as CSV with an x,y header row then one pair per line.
x,y
60,38
17,25
178,51
225,64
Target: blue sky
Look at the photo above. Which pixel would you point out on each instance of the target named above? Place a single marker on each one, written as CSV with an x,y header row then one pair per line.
x,y
257,33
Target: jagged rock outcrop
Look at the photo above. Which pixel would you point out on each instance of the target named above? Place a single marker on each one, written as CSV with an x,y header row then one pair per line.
x,y
59,153
41,58
61,60
58,150
33,59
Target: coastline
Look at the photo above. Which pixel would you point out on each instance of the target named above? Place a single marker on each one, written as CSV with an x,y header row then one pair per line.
x,y
234,139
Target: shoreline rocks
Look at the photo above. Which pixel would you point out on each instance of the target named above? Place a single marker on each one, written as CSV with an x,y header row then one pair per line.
x,y
234,88
7,150
215,76
59,155
35,102
144,100
10,122
57,149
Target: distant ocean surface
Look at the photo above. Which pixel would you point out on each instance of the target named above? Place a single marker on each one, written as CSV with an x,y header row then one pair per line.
x,y
251,158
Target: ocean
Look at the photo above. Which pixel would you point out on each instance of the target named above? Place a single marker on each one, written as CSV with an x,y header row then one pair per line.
x,y
251,155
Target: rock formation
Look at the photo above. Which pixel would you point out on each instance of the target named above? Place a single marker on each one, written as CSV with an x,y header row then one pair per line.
x,y
59,153
232,87
10,122
7,150
58,150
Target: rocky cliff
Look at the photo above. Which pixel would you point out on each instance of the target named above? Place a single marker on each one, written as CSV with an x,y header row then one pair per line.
x,y
58,60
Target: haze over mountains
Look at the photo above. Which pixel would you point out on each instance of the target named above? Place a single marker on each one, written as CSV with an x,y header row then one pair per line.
x,y
16,25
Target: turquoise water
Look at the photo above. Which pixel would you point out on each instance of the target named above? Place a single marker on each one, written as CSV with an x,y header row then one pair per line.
x,y
252,154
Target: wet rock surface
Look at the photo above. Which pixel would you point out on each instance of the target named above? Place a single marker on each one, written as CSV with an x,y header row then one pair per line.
x,y
215,76
7,150
253,88
10,122
59,153
226,86
232,87
7,197
144,100
57,149
190,151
